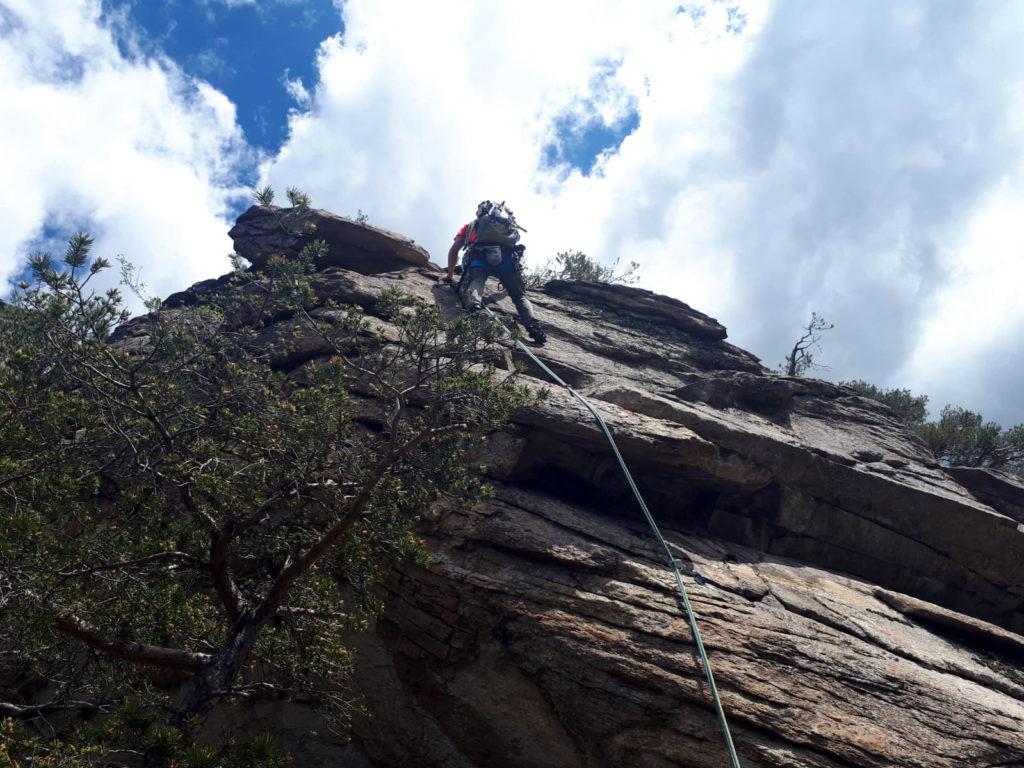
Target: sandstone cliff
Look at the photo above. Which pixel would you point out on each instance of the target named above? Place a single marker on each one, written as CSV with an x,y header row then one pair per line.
x,y
861,605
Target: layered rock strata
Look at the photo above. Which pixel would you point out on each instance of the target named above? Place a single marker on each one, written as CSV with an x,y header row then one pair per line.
x,y
862,605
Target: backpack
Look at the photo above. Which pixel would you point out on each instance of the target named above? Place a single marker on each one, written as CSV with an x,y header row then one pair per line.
x,y
494,225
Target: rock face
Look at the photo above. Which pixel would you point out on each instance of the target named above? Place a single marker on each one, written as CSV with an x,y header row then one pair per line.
x,y
1001,490
263,231
861,605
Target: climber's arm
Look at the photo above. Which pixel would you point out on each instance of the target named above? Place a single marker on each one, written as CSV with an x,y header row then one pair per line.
x,y
453,257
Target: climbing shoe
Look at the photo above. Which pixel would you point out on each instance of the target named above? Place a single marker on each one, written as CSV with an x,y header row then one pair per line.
x,y
536,332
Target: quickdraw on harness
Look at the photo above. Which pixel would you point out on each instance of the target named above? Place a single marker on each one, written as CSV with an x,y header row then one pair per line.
x,y
691,617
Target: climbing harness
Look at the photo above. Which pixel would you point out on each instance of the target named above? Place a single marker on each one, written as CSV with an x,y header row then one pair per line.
x,y
690,616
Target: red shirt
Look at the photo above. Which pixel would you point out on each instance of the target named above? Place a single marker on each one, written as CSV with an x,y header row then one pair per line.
x,y
460,236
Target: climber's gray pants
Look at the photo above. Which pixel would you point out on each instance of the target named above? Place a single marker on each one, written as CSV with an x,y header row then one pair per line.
x,y
475,284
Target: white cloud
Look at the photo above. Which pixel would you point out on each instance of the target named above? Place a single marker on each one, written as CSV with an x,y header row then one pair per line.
x,y
127,147
836,157
973,331
233,3
870,145
420,115
296,89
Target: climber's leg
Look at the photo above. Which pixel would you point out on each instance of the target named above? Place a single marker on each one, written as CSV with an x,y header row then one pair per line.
x,y
512,281
473,286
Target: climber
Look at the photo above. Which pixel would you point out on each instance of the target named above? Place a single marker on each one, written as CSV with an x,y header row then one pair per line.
x,y
492,248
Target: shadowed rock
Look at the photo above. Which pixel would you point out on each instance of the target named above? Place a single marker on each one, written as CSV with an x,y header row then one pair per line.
x,y
1003,491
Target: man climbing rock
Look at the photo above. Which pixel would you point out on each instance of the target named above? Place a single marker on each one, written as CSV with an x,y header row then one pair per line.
x,y
492,247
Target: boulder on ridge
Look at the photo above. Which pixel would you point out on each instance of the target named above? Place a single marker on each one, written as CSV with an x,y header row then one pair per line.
x,y
264,231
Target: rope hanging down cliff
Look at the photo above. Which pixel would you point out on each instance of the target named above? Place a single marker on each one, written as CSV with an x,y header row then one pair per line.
x,y
673,563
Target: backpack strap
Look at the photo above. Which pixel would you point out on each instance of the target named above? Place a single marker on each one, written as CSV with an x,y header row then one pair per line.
x,y
469,232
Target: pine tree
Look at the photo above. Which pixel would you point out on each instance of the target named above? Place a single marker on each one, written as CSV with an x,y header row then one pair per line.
x,y
181,524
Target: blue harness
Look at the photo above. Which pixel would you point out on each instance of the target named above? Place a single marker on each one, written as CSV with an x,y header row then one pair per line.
x,y
477,260
504,266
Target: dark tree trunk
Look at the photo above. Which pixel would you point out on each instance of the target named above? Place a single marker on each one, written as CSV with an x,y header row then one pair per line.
x,y
219,673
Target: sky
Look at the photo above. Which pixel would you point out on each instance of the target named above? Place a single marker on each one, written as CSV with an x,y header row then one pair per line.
x,y
761,159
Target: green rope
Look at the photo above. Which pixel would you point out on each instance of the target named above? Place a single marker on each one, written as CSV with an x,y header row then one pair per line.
x,y
690,615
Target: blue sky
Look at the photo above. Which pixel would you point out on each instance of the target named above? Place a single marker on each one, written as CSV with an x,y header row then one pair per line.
x,y
579,144
761,159
256,52
248,50
244,50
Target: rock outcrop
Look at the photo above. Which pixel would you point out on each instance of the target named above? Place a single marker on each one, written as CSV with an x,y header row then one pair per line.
x,y
1001,490
263,231
862,605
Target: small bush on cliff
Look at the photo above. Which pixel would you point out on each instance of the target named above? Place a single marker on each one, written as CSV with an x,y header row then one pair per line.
x,y
576,265
963,438
959,437
180,523
909,408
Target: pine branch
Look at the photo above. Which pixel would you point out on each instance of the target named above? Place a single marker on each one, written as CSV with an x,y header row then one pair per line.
x,y
172,555
136,653
22,711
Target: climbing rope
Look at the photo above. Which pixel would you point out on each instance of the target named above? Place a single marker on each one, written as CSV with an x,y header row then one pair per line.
x,y
673,563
